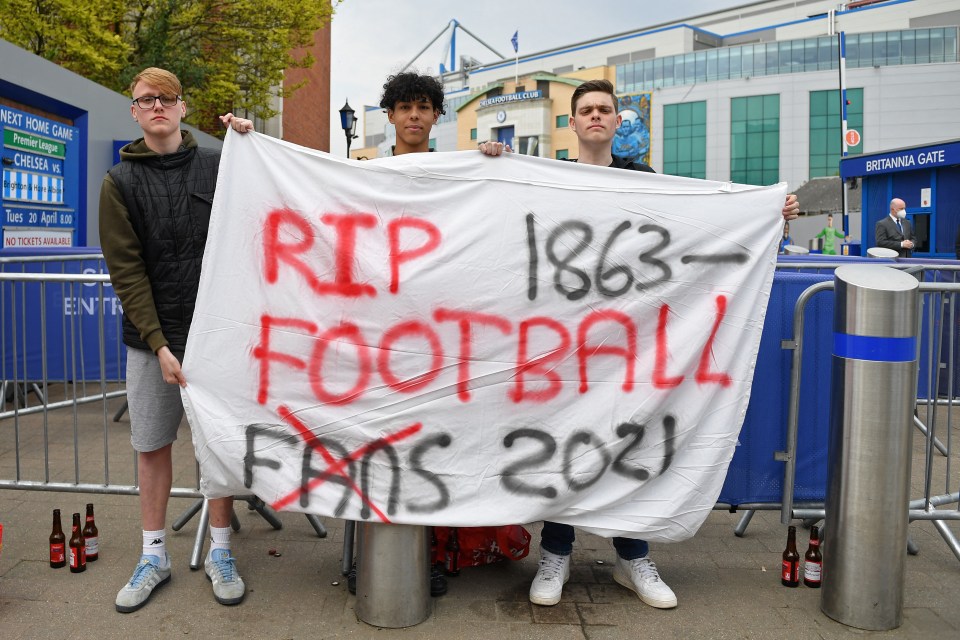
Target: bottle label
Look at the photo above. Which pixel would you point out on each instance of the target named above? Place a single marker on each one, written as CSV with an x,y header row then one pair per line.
x,y
74,558
93,545
57,552
811,571
89,518
790,571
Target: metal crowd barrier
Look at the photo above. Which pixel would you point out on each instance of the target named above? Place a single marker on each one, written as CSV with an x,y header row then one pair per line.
x,y
62,376
937,396
62,367
62,373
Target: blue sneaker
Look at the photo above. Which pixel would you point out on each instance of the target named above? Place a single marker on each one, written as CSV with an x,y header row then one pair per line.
x,y
228,587
147,577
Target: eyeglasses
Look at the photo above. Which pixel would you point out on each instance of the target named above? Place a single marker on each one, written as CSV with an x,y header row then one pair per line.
x,y
148,102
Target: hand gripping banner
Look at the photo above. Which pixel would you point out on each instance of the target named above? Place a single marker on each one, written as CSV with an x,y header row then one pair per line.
x,y
455,339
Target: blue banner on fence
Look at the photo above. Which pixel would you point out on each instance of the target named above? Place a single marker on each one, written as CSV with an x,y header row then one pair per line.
x,y
59,331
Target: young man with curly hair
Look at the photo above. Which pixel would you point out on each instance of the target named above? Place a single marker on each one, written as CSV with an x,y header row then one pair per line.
x,y
414,103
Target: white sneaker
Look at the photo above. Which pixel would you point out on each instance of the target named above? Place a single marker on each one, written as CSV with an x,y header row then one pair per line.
x,y
641,577
548,584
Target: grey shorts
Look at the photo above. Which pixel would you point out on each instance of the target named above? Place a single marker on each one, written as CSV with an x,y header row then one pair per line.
x,y
155,406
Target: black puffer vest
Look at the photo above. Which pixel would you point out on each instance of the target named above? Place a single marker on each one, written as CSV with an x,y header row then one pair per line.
x,y
168,198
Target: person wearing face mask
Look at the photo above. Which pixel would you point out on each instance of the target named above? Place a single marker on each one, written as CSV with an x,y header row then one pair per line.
x,y
895,231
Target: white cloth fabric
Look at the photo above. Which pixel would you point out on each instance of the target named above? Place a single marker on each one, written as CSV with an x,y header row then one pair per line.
x,y
454,339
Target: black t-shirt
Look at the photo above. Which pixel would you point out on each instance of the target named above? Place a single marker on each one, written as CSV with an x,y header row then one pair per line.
x,y
623,163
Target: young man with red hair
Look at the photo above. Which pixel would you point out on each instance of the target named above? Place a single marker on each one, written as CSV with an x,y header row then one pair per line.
x,y
154,211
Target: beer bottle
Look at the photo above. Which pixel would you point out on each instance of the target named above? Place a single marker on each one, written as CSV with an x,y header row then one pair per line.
x,y
58,543
790,571
813,560
91,536
78,549
452,565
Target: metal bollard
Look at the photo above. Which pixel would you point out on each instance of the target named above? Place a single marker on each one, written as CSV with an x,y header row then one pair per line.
x,y
393,574
868,491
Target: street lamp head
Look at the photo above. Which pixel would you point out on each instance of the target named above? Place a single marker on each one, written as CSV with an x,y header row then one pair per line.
x,y
348,121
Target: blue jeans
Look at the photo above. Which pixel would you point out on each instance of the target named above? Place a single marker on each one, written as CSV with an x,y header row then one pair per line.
x,y
558,538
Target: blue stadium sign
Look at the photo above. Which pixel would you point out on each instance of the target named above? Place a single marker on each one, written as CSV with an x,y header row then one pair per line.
x,y
41,180
925,157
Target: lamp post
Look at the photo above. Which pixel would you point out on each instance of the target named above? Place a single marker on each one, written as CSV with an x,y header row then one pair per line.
x,y
349,123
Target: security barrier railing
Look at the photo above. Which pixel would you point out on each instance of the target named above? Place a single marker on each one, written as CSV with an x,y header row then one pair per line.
x,y
937,397
62,375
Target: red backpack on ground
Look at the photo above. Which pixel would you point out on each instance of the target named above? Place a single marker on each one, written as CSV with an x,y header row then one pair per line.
x,y
456,547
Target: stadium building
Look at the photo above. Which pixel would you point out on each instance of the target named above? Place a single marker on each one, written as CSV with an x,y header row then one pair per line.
x,y
750,94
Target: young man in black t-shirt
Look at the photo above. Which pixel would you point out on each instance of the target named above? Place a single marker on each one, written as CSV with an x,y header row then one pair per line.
x,y
594,119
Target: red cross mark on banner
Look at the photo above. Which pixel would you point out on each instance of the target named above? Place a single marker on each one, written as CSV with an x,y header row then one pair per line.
x,y
336,467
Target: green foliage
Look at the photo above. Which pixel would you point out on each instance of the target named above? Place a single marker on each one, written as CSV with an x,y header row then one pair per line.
x,y
75,34
230,55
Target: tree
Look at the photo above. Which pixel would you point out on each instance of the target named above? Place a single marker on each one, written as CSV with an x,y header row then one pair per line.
x,y
76,34
230,55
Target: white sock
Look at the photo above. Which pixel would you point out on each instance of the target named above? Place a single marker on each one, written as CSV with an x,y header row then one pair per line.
x,y
155,544
219,538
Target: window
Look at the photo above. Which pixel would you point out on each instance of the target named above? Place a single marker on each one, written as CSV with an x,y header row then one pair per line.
x,y
563,121
451,109
712,72
473,134
723,64
529,146
685,139
755,140
562,154
820,53
433,144
825,141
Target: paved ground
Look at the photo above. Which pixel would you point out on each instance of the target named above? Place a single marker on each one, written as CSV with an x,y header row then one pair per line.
x,y
728,587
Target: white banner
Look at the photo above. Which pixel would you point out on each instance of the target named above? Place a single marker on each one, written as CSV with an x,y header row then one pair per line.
x,y
453,339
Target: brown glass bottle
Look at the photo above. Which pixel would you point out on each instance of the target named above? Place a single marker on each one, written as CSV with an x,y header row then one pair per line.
x,y
813,561
91,536
790,571
452,555
78,548
58,543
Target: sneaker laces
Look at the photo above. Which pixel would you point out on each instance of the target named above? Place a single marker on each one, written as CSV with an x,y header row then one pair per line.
x,y
647,569
225,566
141,573
551,567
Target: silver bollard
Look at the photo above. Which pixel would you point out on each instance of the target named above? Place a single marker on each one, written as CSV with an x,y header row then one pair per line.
x,y
393,574
868,490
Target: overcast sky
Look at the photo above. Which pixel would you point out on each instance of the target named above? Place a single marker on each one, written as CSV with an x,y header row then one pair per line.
x,y
374,38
